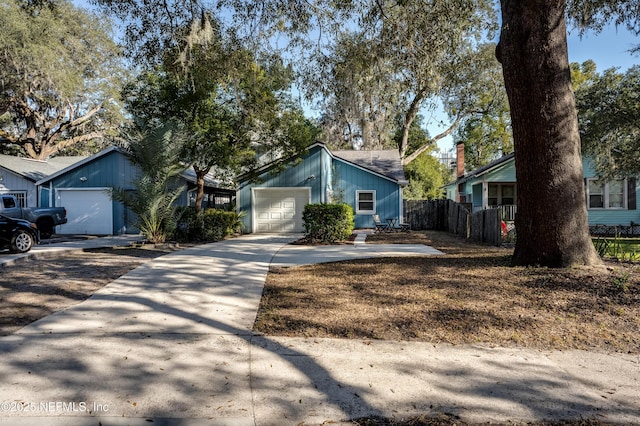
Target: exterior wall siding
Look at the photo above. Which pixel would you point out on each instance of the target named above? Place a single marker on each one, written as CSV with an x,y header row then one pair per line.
x,y
12,182
108,171
334,180
507,173
611,216
388,194
304,173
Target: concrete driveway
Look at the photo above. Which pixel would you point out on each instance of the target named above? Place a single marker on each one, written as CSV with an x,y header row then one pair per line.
x,y
172,343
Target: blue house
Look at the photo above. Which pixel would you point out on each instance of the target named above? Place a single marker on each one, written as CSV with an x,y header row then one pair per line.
x,y
84,189
370,181
18,175
610,203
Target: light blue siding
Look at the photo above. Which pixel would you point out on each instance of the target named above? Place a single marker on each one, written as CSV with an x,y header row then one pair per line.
x,y
388,194
12,182
507,173
331,180
611,216
304,172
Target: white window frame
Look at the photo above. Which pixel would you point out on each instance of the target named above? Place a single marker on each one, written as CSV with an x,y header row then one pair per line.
x,y
373,194
605,196
21,196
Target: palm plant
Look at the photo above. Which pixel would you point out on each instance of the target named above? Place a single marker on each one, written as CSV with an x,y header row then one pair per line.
x,y
153,196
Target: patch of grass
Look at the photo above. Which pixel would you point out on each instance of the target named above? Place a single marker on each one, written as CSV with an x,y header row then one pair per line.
x,y
470,295
623,249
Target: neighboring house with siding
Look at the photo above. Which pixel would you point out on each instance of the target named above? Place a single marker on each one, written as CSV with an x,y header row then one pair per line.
x,y
610,203
369,181
84,189
18,175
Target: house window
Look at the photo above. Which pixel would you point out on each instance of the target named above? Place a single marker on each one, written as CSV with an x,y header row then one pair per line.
x,y
493,195
501,195
508,195
365,202
21,196
606,195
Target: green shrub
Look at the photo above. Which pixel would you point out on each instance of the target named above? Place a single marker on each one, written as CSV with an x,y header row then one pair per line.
x,y
219,224
210,225
328,223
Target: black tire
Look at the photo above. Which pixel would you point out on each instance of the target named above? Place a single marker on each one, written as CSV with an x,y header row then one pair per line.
x,y
45,226
21,242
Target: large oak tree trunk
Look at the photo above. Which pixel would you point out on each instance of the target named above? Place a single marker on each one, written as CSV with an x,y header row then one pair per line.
x,y
551,223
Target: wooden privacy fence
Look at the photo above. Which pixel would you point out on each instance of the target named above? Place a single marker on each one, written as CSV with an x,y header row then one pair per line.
x,y
486,226
449,216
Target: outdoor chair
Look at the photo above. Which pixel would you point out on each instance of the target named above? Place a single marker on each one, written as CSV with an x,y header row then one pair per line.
x,y
380,226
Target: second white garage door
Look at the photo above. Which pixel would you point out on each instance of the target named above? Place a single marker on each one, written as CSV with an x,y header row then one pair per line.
x,y
89,211
279,209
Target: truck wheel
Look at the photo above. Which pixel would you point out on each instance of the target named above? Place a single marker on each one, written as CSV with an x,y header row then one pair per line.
x,y
45,227
21,242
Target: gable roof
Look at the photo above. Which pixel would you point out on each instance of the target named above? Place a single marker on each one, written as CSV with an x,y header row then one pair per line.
x,y
35,170
484,169
188,174
77,164
384,162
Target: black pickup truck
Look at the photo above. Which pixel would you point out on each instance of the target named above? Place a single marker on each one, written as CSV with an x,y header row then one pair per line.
x,y
45,218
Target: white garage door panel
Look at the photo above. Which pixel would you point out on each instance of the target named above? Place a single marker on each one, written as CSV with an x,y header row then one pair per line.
x,y
88,212
280,210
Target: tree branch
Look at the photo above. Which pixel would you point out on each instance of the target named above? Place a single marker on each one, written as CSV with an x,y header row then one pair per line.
x,y
409,158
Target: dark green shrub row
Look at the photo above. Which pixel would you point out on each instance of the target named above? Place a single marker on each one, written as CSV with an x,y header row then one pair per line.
x,y
211,225
328,223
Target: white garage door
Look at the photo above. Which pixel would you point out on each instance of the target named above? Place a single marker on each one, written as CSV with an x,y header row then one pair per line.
x,y
89,211
279,209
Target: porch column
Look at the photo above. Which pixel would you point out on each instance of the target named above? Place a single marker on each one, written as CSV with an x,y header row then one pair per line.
x,y
485,193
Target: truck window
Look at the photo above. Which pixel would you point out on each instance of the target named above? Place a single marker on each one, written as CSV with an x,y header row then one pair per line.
x,y
8,202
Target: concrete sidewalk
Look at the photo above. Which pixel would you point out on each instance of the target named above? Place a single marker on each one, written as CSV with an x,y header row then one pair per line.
x,y
62,243
171,342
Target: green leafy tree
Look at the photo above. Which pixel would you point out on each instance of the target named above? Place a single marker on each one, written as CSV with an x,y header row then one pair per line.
x,y
155,192
59,78
609,117
426,176
233,109
404,58
486,128
552,218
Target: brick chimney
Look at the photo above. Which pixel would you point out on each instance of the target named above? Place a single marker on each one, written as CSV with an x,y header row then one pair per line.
x,y
460,160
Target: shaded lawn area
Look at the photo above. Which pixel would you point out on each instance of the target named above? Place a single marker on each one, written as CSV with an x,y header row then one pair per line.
x,y
469,296
31,289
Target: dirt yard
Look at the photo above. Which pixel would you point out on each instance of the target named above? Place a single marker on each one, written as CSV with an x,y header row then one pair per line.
x,y
469,296
32,289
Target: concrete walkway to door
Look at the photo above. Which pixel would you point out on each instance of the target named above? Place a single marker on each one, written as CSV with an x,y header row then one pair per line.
x,y
171,343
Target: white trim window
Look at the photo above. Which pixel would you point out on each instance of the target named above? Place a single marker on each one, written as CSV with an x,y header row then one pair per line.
x,y
607,195
366,202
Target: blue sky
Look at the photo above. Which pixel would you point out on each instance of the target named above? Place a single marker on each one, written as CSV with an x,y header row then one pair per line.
x,y
607,49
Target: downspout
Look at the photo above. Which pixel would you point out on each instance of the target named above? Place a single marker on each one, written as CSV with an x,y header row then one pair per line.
x,y
401,210
51,194
323,177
